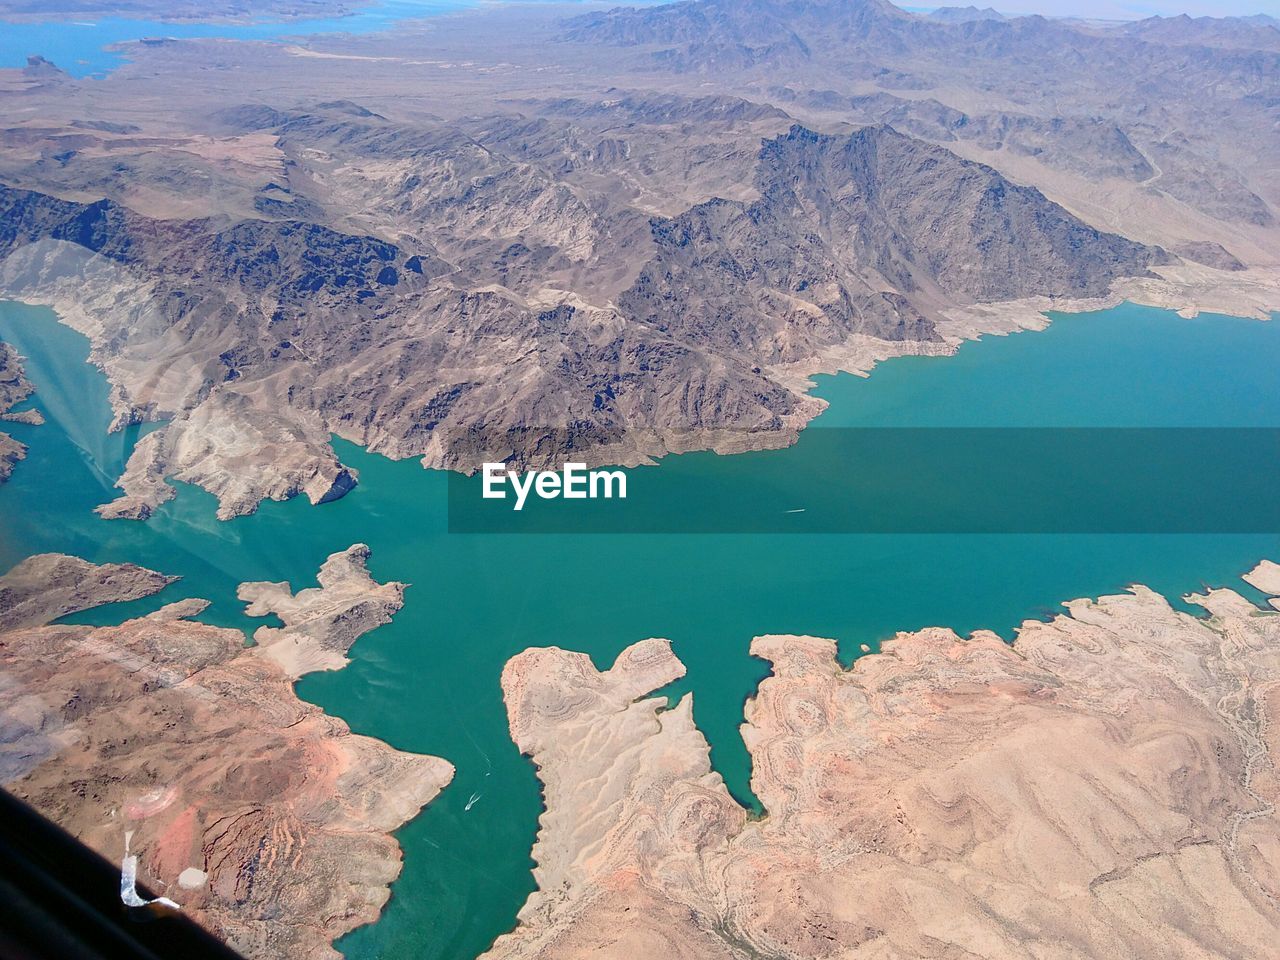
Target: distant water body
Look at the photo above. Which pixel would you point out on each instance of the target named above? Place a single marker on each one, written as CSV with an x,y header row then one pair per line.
x,y
80,47
428,681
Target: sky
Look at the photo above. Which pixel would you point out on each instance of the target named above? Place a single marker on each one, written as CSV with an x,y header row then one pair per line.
x,y
1127,9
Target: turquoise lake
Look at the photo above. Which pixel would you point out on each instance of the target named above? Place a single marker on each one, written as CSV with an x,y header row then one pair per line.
x,y
429,681
80,47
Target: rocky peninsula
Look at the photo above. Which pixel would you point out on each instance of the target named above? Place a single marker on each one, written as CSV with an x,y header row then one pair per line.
x,y
14,388
1103,787
264,818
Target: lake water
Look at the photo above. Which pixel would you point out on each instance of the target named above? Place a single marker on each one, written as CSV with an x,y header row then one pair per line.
x,y
80,47
429,680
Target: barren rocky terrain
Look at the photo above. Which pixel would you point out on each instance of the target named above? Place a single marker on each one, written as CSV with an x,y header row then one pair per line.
x,y
1104,787
265,819
527,232
539,232
14,388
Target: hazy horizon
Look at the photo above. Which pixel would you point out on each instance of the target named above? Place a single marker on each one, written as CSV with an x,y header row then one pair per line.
x,y
1127,9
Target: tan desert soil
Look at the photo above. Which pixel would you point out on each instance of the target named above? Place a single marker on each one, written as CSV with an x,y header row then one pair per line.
x,y
1104,787
265,819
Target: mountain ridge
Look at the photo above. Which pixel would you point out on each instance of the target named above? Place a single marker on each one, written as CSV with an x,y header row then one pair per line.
x,y
834,251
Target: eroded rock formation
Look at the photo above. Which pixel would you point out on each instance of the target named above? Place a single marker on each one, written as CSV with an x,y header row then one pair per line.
x,y
1104,787
14,388
322,623
266,819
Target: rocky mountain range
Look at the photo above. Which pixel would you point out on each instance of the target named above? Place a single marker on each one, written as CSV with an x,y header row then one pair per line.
x,y
520,235
965,14
1257,32
303,331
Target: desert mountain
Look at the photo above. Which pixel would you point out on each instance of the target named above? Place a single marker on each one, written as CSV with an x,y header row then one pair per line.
x,y
291,330
529,234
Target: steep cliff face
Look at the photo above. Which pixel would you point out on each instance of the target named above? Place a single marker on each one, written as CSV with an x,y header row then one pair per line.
x,y
1101,788
264,818
258,339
